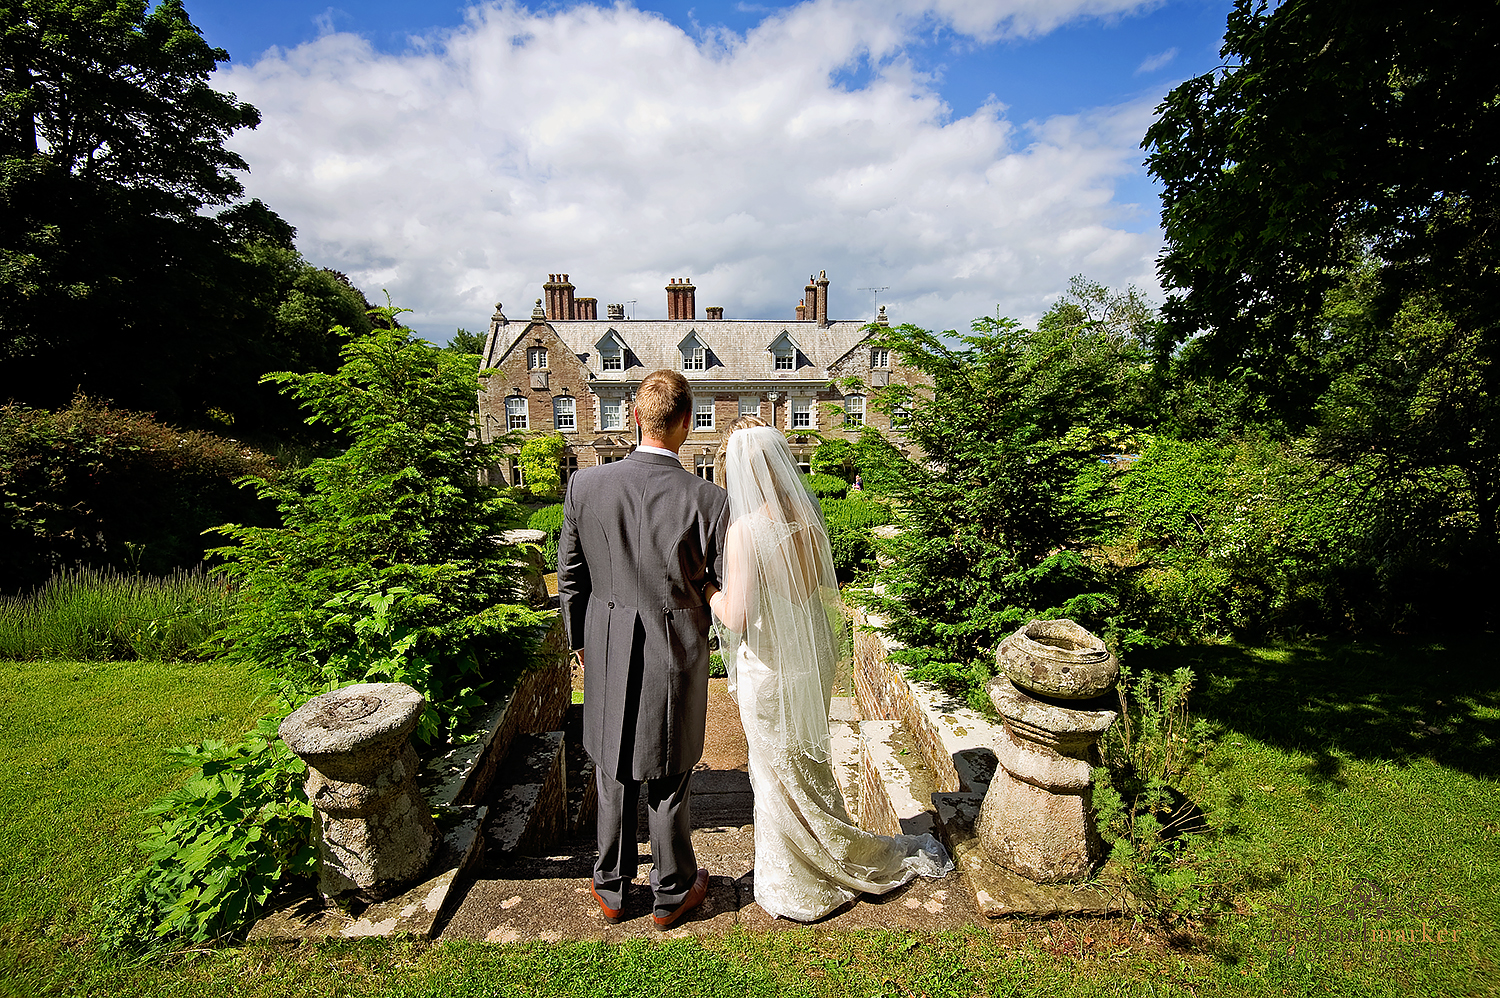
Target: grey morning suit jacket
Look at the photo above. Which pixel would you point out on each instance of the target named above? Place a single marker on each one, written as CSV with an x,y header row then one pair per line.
x,y
640,539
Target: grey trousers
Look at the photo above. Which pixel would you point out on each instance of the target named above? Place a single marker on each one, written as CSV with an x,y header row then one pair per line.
x,y
674,864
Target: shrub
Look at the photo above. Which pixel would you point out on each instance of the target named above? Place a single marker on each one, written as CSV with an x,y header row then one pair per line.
x,y
549,520
401,510
834,457
826,486
849,524
540,464
1141,808
111,488
384,570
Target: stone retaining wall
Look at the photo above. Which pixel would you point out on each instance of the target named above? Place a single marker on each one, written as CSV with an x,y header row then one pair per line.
x,y
537,704
954,739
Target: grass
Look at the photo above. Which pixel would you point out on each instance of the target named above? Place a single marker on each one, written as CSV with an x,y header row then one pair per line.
x,y
82,749
96,616
1352,790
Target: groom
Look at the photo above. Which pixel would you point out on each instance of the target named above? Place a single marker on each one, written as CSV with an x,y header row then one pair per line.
x,y
641,539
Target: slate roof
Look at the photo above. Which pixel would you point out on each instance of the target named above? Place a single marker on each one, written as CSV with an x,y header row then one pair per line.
x,y
738,348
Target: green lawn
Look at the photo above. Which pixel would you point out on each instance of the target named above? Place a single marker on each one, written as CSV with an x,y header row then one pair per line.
x,y
1352,790
81,750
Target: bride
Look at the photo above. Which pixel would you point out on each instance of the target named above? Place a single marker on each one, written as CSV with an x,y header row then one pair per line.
x,y
780,622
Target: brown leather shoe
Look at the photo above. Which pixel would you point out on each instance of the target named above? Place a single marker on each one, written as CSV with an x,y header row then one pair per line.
x,y
613,916
694,898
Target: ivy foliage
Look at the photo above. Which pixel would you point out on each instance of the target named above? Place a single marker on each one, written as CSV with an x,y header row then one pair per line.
x,y
541,458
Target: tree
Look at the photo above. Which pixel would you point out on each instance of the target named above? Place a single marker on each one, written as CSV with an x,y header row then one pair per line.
x,y
397,522
1336,131
114,278
116,92
464,341
1000,519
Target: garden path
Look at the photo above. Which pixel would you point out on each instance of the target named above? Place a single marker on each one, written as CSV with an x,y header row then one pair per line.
x,y
547,897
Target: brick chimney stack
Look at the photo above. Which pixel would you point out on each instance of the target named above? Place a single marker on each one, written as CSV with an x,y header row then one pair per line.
x,y
681,300
559,294
585,308
616,313
713,312
823,299
809,300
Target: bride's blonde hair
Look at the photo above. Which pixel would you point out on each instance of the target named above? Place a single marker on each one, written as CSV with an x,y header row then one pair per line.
x,y
743,423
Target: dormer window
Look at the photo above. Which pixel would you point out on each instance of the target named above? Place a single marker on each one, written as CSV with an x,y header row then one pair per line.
x,y
783,352
536,359
694,352
611,353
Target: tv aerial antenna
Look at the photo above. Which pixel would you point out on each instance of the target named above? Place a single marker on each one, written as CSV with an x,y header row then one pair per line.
x,y
631,303
875,296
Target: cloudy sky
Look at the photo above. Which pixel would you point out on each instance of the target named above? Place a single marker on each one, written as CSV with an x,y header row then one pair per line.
x,y
964,155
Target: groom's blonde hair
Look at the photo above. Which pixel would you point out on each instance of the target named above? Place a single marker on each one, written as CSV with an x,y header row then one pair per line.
x,y
663,399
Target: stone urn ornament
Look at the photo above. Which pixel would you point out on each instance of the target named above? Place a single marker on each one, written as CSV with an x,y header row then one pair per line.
x,y
374,831
1054,700
1057,658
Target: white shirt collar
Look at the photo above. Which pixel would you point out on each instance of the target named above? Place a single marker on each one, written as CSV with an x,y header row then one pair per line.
x,y
657,450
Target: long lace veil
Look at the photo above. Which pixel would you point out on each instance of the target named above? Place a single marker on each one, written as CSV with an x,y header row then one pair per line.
x,y
780,573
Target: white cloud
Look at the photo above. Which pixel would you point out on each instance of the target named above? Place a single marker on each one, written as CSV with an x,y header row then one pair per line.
x,y
607,143
1155,62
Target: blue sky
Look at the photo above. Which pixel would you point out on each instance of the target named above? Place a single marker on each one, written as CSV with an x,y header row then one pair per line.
x,y
955,111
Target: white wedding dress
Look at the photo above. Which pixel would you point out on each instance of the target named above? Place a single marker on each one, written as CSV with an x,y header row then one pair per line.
x,y
780,591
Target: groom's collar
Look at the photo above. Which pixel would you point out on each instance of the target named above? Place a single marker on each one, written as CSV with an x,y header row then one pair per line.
x,y
655,455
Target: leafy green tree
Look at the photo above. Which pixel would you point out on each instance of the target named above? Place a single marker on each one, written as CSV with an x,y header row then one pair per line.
x,y
397,524
834,457
1336,131
115,279
540,463
1000,518
464,341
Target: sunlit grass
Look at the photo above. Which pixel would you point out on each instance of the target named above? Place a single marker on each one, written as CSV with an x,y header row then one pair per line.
x,y
1329,824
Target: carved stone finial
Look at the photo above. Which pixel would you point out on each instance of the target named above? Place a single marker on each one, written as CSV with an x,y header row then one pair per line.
x,y
538,312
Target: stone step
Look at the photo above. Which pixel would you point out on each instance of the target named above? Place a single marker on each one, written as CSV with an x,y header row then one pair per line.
x,y
895,781
529,814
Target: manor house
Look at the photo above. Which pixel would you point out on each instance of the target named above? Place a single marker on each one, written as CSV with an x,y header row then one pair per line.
x,y
566,370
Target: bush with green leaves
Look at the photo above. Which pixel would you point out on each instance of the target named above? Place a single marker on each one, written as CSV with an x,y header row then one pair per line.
x,y
400,510
1149,759
95,485
834,457
849,524
386,568
540,458
1003,519
224,841
826,486
549,520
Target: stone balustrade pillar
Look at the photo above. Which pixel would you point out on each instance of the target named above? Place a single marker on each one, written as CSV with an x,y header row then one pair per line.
x,y
1056,701
374,831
